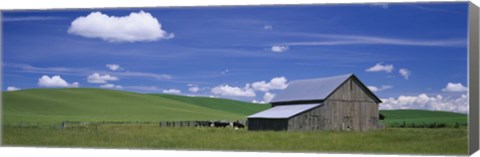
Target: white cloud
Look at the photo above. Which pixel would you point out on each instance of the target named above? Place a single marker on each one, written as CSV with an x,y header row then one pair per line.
x,y
12,88
55,81
138,26
455,87
194,89
335,39
113,67
172,91
378,89
423,101
275,83
379,67
267,27
405,73
111,86
279,48
226,90
268,97
97,78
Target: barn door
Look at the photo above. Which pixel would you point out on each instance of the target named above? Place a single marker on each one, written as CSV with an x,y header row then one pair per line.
x,y
347,123
314,122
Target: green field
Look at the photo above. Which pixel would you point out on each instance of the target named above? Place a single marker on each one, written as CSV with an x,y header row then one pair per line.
x,y
48,106
421,117
32,117
391,141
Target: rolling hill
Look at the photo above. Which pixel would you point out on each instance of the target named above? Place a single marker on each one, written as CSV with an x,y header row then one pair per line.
x,y
86,104
90,104
422,116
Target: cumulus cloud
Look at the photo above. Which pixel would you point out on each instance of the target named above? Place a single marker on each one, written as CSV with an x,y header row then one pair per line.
x,y
138,26
279,48
378,89
194,89
405,73
97,78
113,67
423,101
55,81
380,67
12,88
171,91
111,86
455,87
268,97
226,90
275,83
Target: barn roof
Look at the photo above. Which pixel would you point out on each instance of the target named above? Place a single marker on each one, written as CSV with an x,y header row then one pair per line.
x,y
311,89
286,111
314,89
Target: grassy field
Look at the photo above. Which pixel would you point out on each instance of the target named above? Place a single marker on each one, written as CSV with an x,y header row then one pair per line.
x,y
419,117
80,104
227,105
392,140
24,109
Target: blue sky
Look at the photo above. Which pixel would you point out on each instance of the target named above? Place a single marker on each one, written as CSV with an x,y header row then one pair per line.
x,y
228,51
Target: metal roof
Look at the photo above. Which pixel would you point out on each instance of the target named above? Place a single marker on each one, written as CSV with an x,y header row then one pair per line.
x,y
284,111
311,89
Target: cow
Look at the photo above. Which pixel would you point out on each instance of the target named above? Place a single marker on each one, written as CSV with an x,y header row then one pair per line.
x,y
239,125
220,124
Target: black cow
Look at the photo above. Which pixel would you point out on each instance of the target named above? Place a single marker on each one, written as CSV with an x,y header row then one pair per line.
x,y
238,125
220,124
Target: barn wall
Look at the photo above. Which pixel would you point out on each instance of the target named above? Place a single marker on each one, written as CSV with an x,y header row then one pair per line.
x,y
267,124
350,108
309,120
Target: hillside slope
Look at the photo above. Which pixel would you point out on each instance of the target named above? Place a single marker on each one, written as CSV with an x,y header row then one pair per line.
x,y
423,116
232,106
84,104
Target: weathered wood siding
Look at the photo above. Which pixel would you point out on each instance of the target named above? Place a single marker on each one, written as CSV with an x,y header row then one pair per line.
x,y
310,120
348,108
267,124
351,108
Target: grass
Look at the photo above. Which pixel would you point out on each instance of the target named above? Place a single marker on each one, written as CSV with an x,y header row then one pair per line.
x,y
45,108
392,140
227,105
419,117
83,104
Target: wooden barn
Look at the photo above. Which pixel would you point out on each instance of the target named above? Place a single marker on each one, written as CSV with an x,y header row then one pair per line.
x,y
331,103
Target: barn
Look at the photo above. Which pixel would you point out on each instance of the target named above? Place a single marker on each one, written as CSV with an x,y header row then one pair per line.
x,y
331,103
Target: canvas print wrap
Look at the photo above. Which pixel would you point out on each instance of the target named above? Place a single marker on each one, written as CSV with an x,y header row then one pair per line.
x,y
355,78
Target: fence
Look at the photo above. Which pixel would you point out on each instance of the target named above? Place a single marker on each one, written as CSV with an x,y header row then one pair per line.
x,y
218,123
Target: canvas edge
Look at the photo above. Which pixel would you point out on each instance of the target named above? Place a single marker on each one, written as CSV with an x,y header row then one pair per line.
x,y
473,78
